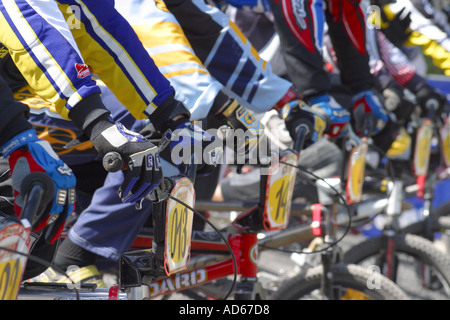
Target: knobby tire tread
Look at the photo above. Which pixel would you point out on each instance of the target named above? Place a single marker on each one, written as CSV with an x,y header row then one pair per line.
x,y
346,275
409,244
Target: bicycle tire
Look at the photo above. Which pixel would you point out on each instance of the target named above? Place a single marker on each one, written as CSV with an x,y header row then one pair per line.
x,y
307,284
412,251
437,225
442,210
440,219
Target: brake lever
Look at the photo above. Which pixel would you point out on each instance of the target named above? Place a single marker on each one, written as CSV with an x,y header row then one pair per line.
x,y
165,140
158,194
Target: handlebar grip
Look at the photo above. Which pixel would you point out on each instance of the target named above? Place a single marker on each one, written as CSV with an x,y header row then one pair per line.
x,y
112,161
432,104
38,190
302,132
368,126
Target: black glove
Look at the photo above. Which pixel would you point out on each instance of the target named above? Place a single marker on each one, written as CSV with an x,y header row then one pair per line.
x,y
431,101
398,30
395,102
143,170
384,139
244,134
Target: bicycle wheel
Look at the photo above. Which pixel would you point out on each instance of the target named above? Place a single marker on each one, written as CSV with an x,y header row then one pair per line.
x,y
350,282
422,270
438,224
442,210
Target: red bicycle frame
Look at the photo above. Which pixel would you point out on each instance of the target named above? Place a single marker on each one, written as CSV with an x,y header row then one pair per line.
x,y
142,267
211,259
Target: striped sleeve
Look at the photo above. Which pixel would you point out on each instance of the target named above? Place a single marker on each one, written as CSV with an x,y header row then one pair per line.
x,y
228,55
43,49
112,49
57,57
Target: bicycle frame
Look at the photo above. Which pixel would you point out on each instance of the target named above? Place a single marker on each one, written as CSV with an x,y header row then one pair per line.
x,y
425,130
147,267
213,261
271,213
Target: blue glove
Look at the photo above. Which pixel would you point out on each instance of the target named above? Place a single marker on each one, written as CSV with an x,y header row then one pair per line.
x,y
338,117
367,107
27,153
189,140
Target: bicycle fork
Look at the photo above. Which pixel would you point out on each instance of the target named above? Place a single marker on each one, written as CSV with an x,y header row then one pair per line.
x,y
330,255
327,259
387,259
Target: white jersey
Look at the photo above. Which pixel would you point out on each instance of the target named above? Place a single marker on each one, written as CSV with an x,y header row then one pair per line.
x,y
224,70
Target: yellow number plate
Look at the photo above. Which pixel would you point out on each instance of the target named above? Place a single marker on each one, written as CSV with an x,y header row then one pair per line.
x,y
10,276
179,227
445,142
355,172
14,236
279,189
422,149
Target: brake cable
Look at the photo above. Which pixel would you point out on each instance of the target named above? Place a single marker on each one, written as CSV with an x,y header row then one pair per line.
x,y
344,202
48,265
221,236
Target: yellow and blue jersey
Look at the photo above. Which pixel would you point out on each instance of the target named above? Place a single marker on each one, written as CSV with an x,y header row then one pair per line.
x,y
57,58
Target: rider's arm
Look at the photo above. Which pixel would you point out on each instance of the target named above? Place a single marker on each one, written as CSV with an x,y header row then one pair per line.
x,y
13,114
44,50
57,60
420,31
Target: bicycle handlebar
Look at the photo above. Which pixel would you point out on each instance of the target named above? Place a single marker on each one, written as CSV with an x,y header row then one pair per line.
x,y
38,189
113,162
368,126
302,132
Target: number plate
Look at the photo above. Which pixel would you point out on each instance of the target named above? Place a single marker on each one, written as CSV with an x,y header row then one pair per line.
x,y
179,227
279,189
15,236
355,172
422,149
445,142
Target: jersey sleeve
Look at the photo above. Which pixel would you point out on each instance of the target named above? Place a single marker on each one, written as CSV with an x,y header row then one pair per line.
x,y
45,53
58,46
433,41
12,114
